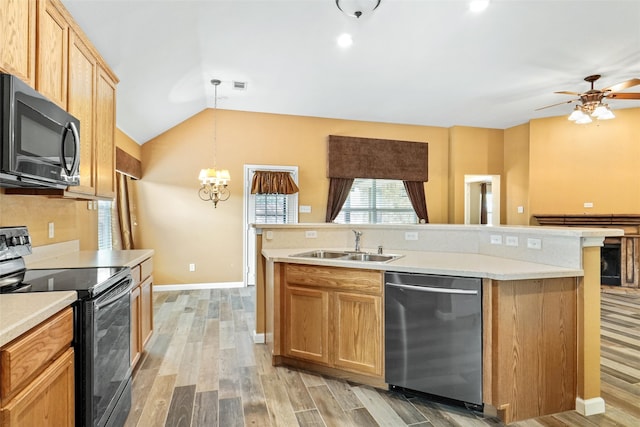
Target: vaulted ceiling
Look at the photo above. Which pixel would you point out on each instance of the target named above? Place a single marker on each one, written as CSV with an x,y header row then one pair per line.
x,y
422,62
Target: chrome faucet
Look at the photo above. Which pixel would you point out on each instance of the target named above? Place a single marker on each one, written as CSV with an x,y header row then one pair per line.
x,y
358,235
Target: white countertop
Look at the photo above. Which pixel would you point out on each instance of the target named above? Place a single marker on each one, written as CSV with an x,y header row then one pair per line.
x,y
103,258
21,312
445,263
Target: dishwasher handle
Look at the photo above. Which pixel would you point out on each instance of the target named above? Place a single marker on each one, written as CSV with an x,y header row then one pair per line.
x,y
431,289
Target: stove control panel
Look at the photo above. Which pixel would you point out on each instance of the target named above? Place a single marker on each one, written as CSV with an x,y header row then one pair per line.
x,y
15,242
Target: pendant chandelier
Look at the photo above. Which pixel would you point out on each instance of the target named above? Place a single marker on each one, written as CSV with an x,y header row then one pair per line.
x,y
214,182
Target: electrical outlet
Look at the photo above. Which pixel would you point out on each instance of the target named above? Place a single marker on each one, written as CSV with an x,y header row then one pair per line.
x,y
51,230
192,267
588,204
512,241
311,234
411,235
534,244
496,239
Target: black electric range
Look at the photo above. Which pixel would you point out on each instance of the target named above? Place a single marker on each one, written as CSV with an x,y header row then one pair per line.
x,y
102,326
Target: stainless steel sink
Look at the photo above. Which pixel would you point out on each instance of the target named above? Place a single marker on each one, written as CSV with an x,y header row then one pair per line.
x,y
322,254
370,257
348,256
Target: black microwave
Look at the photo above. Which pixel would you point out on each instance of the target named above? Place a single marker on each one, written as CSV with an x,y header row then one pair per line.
x,y
40,142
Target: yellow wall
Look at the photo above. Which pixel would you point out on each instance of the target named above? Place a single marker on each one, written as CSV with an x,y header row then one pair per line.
x,y
472,151
516,175
125,143
171,216
572,164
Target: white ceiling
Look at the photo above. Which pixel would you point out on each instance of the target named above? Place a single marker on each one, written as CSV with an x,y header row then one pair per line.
x,y
421,62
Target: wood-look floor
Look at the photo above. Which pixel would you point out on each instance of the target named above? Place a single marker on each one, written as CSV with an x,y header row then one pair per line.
x,y
202,369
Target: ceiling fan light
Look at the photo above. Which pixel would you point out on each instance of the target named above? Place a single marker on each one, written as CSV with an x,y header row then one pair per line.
x,y
607,114
600,110
584,119
576,114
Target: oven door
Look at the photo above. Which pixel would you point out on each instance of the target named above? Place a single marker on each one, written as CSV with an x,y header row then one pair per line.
x,y
110,369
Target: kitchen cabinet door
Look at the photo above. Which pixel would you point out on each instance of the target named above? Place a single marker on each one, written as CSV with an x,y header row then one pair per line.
x,y
136,343
52,53
105,137
82,83
48,401
146,311
18,53
307,324
358,333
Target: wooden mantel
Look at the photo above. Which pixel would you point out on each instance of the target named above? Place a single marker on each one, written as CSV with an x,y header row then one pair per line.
x,y
630,223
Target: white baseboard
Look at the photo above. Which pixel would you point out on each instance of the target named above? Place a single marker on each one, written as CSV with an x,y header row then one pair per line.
x,y
258,338
197,286
591,406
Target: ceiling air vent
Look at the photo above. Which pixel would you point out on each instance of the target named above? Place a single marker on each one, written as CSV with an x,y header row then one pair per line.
x,y
240,85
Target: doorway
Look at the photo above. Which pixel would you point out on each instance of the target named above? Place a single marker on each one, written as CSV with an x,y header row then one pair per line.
x,y
482,199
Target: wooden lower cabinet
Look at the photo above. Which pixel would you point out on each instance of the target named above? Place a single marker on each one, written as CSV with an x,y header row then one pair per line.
x,y
141,308
48,401
37,382
307,329
358,337
333,317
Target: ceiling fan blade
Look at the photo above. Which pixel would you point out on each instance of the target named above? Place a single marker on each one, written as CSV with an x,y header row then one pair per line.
x,y
623,95
622,86
559,103
566,92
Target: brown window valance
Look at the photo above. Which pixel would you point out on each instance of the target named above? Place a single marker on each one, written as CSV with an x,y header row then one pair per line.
x,y
127,164
273,182
352,157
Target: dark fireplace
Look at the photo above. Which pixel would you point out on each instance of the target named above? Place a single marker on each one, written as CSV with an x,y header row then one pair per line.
x,y
610,255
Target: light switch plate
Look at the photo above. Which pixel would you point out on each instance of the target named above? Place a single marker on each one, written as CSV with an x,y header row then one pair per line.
x,y
496,239
411,235
305,209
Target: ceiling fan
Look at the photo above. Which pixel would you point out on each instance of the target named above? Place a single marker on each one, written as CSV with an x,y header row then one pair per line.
x,y
591,101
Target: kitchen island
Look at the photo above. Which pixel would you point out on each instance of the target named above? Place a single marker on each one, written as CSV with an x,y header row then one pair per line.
x,y
540,305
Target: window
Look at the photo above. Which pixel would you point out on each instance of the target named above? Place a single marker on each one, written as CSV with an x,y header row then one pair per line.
x,y
377,201
104,225
273,209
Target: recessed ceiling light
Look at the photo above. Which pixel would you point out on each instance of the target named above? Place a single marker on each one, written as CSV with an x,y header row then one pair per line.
x,y
478,5
345,40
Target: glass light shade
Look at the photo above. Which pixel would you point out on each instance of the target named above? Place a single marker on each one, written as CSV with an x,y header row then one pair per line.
x,y
607,114
584,119
223,176
600,110
576,114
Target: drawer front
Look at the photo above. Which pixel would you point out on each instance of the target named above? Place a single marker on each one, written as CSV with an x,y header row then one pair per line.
x,y
28,355
354,279
146,269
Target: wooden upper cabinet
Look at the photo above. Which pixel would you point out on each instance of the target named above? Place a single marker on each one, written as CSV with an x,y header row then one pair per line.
x,y
18,52
82,91
52,52
105,135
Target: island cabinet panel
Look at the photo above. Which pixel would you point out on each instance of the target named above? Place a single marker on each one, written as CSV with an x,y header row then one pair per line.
x,y
333,317
530,337
18,53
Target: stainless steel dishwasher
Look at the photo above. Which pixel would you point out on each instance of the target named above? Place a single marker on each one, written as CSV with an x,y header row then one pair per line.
x,y
433,336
